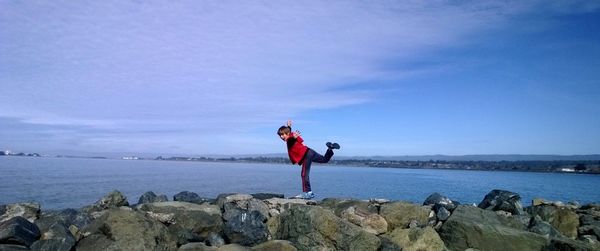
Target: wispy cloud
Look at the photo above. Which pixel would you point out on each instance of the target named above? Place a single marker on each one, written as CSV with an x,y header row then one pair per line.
x,y
209,68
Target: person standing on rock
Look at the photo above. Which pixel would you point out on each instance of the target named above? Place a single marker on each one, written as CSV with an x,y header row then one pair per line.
x,y
303,155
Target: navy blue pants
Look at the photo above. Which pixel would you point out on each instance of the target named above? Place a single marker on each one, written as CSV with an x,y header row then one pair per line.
x,y
310,157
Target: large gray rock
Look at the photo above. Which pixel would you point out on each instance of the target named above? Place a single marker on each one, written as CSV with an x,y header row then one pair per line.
x,y
401,214
316,228
128,230
150,197
538,226
97,242
414,239
191,197
67,217
56,238
18,230
29,211
473,227
563,219
502,200
199,219
245,227
245,219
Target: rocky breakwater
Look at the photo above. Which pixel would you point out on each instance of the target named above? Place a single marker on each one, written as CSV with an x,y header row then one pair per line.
x,y
271,222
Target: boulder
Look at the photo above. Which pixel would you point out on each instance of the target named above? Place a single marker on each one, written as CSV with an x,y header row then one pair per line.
x,y
199,219
128,230
113,199
414,239
266,196
473,227
316,228
150,197
245,227
56,238
18,230
538,226
66,217
191,197
563,219
370,222
400,214
277,205
29,211
243,202
275,245
502,200
438,199
340,205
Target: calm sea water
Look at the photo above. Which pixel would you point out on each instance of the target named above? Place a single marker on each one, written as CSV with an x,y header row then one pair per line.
x,y
72,183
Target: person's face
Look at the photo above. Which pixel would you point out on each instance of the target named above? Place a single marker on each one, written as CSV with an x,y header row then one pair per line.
x,y
284,136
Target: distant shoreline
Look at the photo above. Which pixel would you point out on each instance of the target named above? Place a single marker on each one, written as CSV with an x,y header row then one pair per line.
x,y
543,166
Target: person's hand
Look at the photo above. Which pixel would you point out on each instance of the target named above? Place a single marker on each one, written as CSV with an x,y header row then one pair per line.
x,y
289,123
296,134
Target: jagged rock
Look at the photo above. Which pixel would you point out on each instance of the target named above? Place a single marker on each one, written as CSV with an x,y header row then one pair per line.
x,y
246,227
29,211
18,230
150,197
275,245
66,217
199,219
316,228
502,200
191,197
400,214
266,196
473,227
184,236
414,239
563,219
128,230
438,199
372,223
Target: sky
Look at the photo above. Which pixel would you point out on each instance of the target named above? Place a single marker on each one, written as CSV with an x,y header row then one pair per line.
x,y
378,77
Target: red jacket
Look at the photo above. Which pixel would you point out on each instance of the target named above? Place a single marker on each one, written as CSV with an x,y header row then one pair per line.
x,y
296,150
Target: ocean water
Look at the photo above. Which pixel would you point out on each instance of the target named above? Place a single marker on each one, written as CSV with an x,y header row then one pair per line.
x,y
59,183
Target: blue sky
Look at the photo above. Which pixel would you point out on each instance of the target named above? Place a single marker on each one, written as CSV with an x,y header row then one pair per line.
x,y
380,78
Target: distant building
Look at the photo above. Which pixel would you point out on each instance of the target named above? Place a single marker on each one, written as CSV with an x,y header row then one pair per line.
x,y
130,158
7,152
567,170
